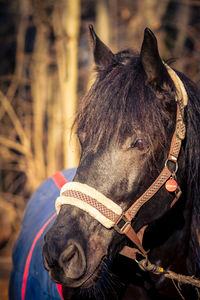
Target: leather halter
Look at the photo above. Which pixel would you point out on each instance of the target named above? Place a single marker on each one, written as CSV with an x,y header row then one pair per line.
x,y
107,212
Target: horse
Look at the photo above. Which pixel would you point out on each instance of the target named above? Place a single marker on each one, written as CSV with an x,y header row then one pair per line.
x,y
135,195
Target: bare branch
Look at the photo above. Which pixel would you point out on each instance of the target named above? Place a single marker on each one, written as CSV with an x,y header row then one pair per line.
x,y
19,61
13,145
14,118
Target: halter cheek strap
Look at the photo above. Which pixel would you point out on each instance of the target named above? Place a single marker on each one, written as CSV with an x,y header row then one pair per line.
x,y
107,212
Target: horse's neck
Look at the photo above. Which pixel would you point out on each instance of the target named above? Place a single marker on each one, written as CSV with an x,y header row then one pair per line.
x,y
194,247
169,238
171,242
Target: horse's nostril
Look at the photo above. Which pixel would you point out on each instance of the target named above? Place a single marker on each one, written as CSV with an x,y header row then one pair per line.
x,y
48,260
73,262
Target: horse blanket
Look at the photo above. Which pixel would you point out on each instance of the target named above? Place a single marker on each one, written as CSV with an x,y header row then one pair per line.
x,y
29,279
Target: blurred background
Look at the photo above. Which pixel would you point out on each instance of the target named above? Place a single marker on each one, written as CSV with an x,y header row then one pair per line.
x,y
46,67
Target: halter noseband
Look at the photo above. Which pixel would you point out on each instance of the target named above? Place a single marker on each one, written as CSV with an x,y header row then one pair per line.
x,y
110,214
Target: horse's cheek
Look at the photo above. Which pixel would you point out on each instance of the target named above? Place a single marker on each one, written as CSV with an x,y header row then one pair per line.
x,y
98,245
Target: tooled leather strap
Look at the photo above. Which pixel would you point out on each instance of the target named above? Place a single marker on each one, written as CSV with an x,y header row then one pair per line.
x,y
149,193
178,136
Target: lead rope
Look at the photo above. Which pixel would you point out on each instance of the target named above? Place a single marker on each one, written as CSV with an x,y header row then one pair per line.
x,y
146,265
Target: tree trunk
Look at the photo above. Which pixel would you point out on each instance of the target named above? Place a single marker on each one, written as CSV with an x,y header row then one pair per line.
x,y
103,20
39,94
66,22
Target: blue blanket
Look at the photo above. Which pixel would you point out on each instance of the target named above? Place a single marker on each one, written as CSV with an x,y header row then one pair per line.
x,y
29,280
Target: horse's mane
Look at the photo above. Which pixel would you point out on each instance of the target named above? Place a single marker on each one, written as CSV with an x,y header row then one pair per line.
x,y
192,143
120,98
192,147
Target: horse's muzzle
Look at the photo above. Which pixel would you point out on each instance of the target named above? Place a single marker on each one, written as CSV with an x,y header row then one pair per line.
x,y
69,268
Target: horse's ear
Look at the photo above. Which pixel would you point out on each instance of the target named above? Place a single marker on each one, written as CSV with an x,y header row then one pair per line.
x,y
103,56
150,58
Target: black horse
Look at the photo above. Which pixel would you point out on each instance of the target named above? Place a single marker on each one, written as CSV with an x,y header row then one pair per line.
x,y
126,125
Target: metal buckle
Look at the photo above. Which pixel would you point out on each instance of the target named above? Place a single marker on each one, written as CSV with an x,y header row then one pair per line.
x,y
118,226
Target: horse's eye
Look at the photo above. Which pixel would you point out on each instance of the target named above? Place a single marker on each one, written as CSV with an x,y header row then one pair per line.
x,y
139,144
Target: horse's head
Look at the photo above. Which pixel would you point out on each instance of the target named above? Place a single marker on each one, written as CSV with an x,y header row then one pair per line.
x,y
125,126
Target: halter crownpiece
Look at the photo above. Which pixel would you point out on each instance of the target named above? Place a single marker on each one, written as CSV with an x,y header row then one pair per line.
x,y
180,89
110,214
